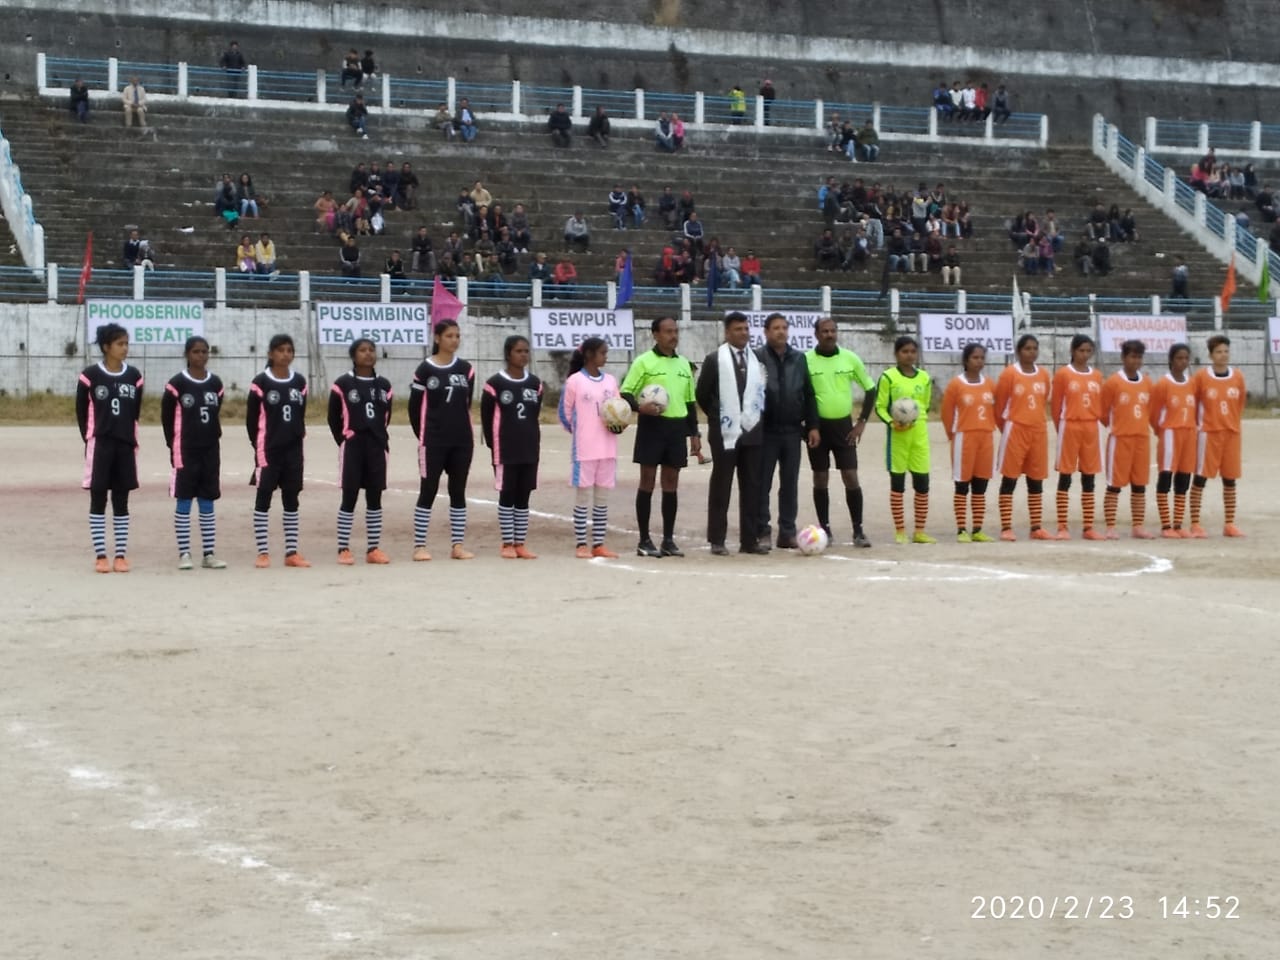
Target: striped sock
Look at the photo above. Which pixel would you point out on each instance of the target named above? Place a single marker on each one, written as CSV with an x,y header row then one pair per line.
x,y
260,537
457,524
521,524
1006,511
120,529
373,528
507,524
1197,494
182,530
978,506
1035,507
1064,507
421,524
1228,504
98,532
958,504
1110,505
1162,504
1179,509
290,532
1138,507
1087,507
921,510
208,529
580,524
899,515
599,525
345,519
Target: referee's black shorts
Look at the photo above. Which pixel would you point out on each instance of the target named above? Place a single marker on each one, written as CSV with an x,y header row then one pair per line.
x,y
833,443
662,442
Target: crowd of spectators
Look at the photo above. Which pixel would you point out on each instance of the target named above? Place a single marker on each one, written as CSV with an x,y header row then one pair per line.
x,y
972,104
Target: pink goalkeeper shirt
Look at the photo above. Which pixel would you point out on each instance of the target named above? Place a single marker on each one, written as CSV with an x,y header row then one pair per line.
x,y
581,403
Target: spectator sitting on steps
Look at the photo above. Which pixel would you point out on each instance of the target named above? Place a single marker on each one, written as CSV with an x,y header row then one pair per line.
x,y
677,131
247,197
394,267
422,252
1266,204
635,205
1000,108
351,68
131,255
826,252
618,207
357,117
898,258
1180,276
917,253
80,100
563,278
465,121
577,233
667,208
521,236
1101,257
443,121
265,253
1084,254
664,274
751,269
349,257
368,68
134,99
246,255
951,267
663,137
869,142
598,127
560,127
694,232
540,269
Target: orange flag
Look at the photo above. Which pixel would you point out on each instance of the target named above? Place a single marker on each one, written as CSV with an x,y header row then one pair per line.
x,y
1229,286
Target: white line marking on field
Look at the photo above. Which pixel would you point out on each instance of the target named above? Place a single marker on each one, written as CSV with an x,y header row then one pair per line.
x,y
684,571
347,917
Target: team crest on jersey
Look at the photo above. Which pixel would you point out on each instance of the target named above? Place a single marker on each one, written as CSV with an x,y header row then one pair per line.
x,y
1211,393
1038,387
1144,398
1075,387
101,392
433,383
968,400
354,396
188,401
295,396
273,397
1233,393
530,394
507,396
210,399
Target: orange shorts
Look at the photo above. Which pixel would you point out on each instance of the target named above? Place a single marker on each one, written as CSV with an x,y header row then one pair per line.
x,y
1128,461
1176,451
972,455
1080,447
1023,451
1218,453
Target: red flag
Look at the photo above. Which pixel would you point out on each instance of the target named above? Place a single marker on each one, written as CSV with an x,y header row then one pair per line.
x,y
444,305
1229,286
86,271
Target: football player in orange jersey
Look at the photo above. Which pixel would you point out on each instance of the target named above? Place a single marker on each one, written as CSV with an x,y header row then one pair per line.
x,y
1173,416
1126,402
1077,405
1022,399
1220,396
969,416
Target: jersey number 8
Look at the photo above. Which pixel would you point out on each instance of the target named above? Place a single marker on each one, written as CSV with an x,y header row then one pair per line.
x,y
287,412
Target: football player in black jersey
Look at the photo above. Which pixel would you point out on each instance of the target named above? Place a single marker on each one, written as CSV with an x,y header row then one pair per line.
x,y
359,412
509,408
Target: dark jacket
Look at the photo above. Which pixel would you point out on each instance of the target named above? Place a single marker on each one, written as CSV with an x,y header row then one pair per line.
x,y
789,403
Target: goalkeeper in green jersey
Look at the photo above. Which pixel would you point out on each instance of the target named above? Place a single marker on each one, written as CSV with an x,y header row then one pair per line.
x,y
906,443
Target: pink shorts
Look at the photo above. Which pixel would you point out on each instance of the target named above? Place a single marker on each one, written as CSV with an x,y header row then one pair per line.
x,y
594,473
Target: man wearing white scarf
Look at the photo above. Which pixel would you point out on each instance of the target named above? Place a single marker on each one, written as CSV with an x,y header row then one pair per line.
x,y
731,393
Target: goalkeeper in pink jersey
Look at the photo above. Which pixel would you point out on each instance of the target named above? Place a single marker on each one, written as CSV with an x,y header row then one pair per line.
x,y
595,446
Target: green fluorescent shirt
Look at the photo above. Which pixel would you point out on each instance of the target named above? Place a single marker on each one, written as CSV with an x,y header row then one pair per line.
x,y
894,385
675,374
832,378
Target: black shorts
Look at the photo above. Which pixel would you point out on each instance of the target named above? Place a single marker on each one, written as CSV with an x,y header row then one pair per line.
x,y
198,477
362,463
662,441
110,464
455,461
833,442
283,470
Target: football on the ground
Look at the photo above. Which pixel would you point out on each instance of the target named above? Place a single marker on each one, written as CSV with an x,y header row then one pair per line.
x,y
812,540
616,414
904,411
656,394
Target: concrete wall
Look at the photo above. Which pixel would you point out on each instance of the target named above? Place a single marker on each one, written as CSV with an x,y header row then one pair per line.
x,y
1127,59
42,349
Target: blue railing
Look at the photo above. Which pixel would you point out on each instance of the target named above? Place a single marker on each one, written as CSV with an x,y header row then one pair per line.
x,y
63,71
913,120
655,103
486,97
535,101
154,77
417,94
282,85
1019,126
1177,133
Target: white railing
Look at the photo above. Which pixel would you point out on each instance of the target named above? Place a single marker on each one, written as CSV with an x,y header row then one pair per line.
x,y
16,202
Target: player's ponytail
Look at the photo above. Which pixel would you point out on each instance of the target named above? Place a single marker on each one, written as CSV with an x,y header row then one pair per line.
x,y
587,348
108,334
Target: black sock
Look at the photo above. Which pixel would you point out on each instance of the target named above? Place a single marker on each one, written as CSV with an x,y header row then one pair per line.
x,y
822,504
669,501
644,503
854,499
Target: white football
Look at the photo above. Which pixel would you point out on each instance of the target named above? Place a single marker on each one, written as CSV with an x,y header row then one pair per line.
x,y
656,394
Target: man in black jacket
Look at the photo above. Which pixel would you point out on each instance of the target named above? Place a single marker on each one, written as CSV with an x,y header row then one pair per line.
x,y
790,414
560,126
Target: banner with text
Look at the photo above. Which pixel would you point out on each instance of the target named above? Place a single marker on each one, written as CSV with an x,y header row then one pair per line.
x,y
1273,335
951,332
149,322
564,328
799,332
341,323
1158,333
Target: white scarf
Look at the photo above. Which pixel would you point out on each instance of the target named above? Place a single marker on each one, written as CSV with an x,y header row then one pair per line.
x,y
739,417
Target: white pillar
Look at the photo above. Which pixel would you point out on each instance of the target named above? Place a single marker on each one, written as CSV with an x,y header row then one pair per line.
x,y
384,288
535,292
1203,140
577,102
759,112
1155,304
252,91
386,91
1113,141
113,74
826,300
1199,208
1149,138
819,111
37,246
139,282
322,94
51,281
42,72
699,108
988,128
933,124
515,97
1093,316
962,302
184,86
875,115
220,286
895,302
686,304
757,298
1170,184
463,295
611,295
451,95
1044,130
1139,169
639,103
1217,313
304,286
1255,137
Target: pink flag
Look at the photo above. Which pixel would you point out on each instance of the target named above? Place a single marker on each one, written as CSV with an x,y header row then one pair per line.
x,y
444,305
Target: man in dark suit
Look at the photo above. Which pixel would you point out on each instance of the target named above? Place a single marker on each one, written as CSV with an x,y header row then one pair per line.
x,y
731,392
790,419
